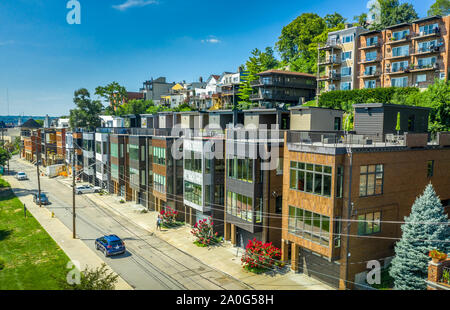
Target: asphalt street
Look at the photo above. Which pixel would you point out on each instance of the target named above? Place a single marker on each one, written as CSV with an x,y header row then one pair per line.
x,y
150,263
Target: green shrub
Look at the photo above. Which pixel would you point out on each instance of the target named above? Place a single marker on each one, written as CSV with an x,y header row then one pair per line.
x,y
2,263
344,99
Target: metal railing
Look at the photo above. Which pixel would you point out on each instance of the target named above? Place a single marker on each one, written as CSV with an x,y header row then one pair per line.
x,y
341,139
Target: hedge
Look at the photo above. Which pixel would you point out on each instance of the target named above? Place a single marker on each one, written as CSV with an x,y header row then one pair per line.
x,y
343,99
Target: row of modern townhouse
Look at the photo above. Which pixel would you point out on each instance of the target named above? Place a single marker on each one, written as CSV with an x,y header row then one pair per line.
x,y
407,54
331,200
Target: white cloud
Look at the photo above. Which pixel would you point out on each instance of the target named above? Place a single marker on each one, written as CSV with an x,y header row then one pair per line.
x,y
134,3
211,40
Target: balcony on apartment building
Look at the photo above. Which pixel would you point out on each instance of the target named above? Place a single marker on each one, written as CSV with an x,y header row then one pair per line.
x,y
370,45
330,45
399,55
412,68
434,32
330,77
265,81
426,50
397,40
329,60
370,73
370,59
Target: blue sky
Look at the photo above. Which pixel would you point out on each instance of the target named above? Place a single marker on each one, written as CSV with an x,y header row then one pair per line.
x,y
43,59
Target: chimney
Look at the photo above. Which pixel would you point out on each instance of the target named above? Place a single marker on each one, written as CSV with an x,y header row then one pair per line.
x,y
200,80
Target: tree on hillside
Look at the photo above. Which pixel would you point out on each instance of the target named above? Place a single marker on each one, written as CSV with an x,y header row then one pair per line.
x,y
86,115
295,40
392,13
423,232
361,20
437,98
333,20
258,62
134,106
440,7
114,93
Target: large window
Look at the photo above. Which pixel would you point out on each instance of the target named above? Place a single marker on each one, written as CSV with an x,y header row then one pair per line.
x,y
346,85
400,51
193,161
399,82
159,155
134,152
240,206
371,56
240,169
309,225
428,29
114,150
340,181
372,41
400,35
311,178
426,62
430,168
159,183
346,71
369,223
427,46
371,180
115,171
134,177
399,66
346,55
370,84
193,192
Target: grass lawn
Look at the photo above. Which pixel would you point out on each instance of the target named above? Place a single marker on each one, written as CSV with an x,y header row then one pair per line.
x,y
33,260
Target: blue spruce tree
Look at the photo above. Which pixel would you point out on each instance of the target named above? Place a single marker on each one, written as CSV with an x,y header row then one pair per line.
x,y
421,234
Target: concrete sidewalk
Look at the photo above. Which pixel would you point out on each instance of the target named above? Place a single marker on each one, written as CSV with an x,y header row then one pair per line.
x,y
224,257
75,249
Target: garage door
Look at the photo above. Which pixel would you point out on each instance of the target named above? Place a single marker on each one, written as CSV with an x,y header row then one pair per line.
x,y
319,268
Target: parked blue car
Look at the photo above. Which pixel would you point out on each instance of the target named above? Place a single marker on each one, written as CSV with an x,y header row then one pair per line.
x,y
43,199
110,245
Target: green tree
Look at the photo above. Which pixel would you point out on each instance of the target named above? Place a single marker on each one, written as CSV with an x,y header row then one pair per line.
x,y
423,232
361,20
93,279
40,122
293,43
440,7
86,115
333,20
114,93
258,62
392,13
4,156
134,106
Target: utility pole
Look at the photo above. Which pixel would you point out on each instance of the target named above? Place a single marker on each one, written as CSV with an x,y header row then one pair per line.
x,y
37,169
73,192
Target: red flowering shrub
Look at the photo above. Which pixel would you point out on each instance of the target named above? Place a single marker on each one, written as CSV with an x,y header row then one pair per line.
x,y
203,231
168,216
259,257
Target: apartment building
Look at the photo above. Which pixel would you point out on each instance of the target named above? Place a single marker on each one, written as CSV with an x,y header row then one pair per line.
x,y
229,84
102,157
119,161
204,176
74,152
89,163
155,88
276,88
253,186
337,60
205,98
407,54
30,137
343,193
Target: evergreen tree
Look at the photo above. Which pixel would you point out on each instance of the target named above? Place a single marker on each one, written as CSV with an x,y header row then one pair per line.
x,y
421,234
